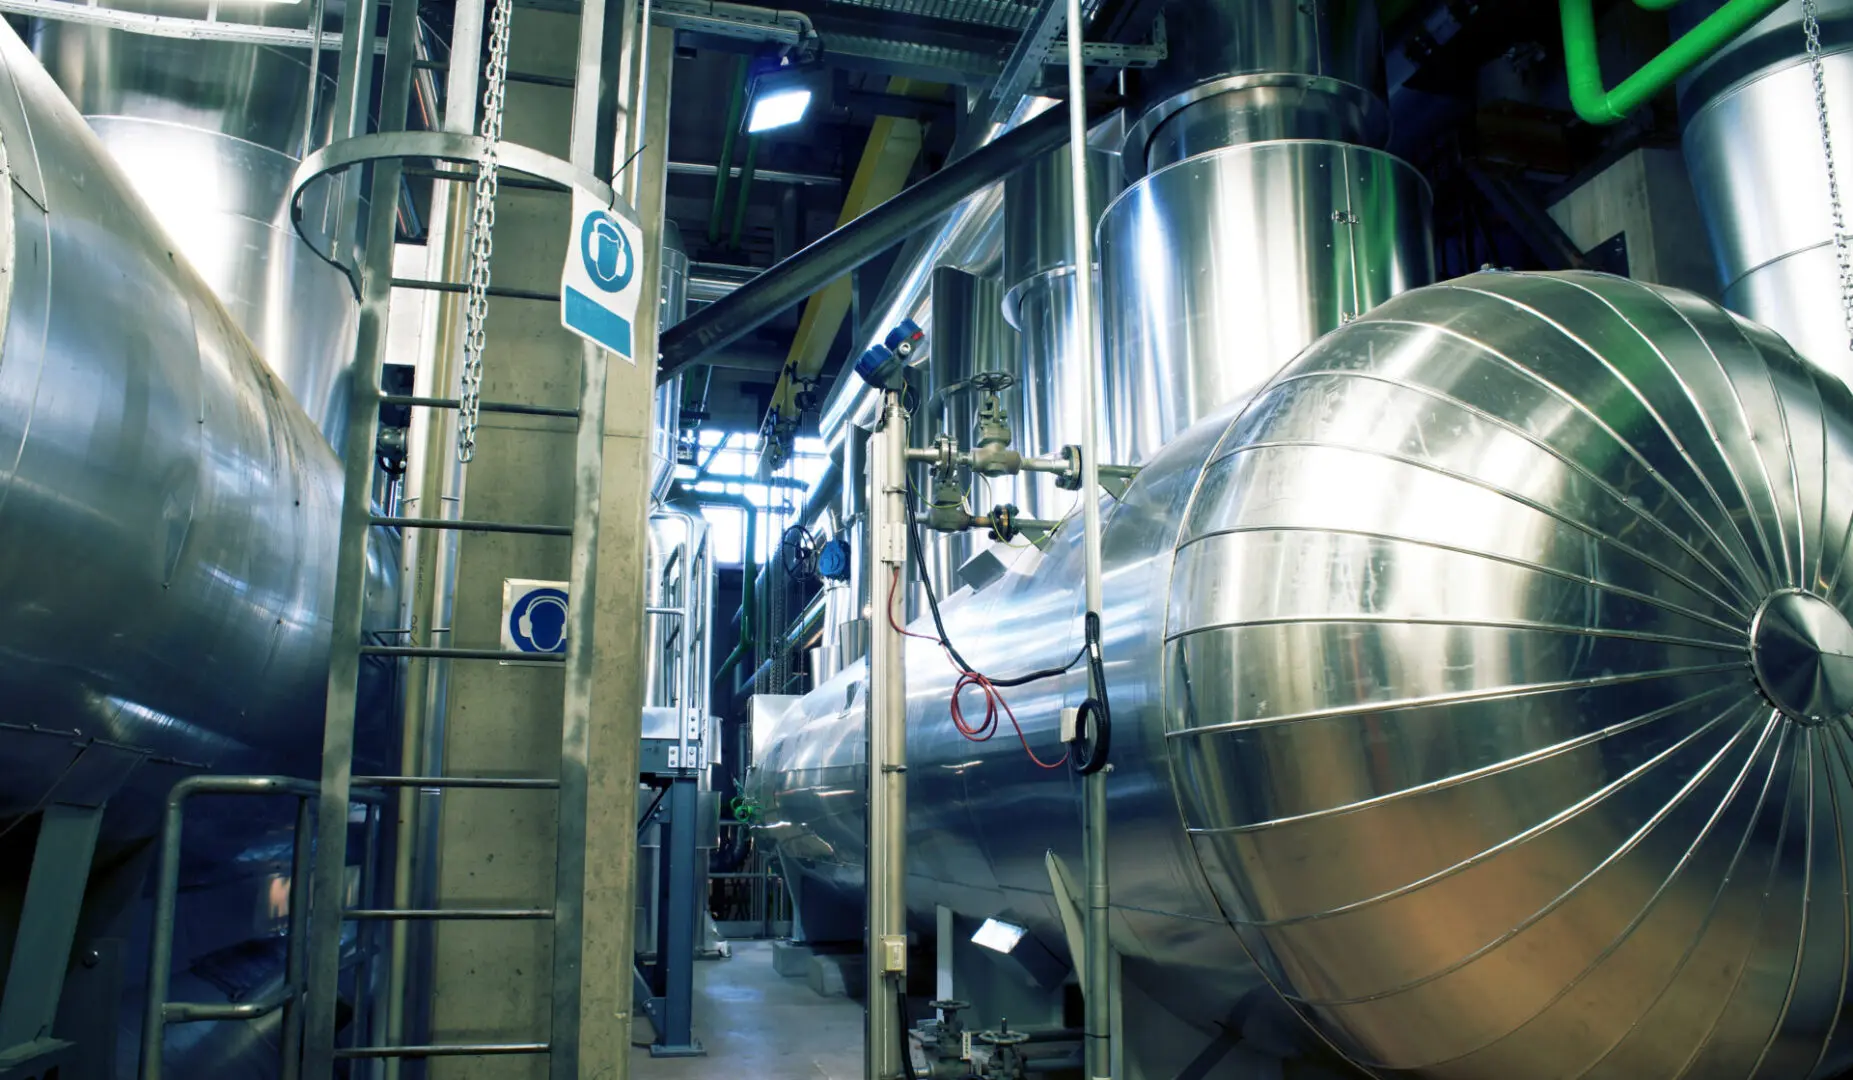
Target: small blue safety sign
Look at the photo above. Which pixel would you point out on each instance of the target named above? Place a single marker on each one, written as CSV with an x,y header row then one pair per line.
x,y
600,285
533,615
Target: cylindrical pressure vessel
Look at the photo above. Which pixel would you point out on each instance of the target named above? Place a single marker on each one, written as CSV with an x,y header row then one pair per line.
x,y
167,512
1753,145
1482,683
1263,214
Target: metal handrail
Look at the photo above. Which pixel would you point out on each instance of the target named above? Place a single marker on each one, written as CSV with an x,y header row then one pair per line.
x,y
158,1012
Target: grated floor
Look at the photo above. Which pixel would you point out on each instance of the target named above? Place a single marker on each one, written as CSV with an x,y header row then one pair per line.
x,y
759,1025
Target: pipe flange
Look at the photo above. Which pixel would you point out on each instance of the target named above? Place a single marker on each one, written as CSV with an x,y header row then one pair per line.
x,y
1070,480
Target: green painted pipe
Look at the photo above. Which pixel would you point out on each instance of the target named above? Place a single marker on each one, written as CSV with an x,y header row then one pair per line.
x,y
746,186
734,110
1598,105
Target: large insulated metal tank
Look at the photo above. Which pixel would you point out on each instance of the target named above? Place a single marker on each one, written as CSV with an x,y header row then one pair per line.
x,y
167,511
1260,208
209,134
1482,683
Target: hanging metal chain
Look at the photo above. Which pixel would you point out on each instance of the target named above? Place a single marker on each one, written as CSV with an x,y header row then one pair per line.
x,y
482,230
1811,29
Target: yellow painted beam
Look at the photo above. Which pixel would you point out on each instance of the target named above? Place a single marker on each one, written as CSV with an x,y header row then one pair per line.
x,y
887,159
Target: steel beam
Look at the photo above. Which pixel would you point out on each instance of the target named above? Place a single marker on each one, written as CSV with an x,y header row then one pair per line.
x,y
769,176
796,278
48,922
887,158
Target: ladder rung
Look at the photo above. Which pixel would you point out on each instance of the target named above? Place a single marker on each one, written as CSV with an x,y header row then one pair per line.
x,y
477,914
464,286
653,610
440,653
516,783
486,406
442,1050
464,525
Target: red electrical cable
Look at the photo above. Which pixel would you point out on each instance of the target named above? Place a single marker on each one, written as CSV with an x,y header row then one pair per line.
x,y
993,699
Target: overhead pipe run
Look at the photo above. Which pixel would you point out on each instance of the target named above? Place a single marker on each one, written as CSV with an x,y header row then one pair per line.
x,y
1596,104
836,254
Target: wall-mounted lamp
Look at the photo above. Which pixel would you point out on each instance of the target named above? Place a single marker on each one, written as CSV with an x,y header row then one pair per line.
x,y
779,94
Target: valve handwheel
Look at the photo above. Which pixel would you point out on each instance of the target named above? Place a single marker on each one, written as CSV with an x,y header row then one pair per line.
x,y
798,554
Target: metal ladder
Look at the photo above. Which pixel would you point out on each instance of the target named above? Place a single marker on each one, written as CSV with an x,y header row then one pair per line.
x,y
371,272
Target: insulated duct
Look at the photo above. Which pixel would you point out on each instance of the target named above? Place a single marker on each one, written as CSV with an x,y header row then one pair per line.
x,y
1479,685
1753,146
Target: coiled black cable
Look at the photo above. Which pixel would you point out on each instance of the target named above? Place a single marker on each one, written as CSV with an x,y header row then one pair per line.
x,y
1089,756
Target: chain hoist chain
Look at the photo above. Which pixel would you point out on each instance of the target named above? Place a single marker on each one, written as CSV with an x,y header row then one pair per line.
x,y
482,230
1843,257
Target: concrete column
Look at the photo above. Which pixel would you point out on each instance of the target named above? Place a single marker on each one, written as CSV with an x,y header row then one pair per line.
x,y
611,815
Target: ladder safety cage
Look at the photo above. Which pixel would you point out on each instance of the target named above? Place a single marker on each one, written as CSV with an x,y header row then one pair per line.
x,y
363,251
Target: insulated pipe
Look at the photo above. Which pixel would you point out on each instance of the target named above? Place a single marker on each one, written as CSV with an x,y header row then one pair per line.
x,y
836,254
708,282
1752,146
736,105
1596,104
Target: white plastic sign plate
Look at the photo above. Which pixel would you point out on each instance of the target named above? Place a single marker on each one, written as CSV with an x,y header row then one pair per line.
x,y
601,283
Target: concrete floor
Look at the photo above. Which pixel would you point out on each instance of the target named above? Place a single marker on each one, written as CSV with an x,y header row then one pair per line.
x,y
759,1025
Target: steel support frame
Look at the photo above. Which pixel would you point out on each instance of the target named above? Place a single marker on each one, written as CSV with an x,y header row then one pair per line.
x,y
750,306
887,751
1097,981
48,923
157,1011
672,982
329,877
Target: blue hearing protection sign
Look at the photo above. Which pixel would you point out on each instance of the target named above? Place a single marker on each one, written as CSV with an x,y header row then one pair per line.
x,y
533,615
601,284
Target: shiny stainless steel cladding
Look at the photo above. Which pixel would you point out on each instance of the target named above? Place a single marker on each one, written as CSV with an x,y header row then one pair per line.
x,y
1038,226
166,509
1217,270
1249,70
1442,679
208,134
1753,146
1460,693
1039,301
